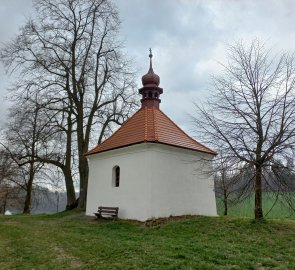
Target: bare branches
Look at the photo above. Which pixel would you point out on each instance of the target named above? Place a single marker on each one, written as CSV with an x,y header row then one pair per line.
x,y
70,57
251,113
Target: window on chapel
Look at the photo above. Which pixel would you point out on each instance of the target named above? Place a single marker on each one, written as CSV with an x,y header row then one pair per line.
x,y
116,176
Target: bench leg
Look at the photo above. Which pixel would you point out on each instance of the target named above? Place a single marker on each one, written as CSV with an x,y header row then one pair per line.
x,y
98,215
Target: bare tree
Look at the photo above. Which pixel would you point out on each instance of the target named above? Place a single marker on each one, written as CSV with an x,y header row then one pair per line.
x,y
226,178
60,152
26,135
71,50
10,197
251,112
8,193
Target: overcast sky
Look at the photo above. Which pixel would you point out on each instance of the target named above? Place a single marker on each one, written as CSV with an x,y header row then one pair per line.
x,y
188,38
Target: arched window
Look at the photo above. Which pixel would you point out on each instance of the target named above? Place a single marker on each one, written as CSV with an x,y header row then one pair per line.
x,y
150,94
156,95
116,176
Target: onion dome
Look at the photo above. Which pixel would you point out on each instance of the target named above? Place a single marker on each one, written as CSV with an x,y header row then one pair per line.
x,y
150,78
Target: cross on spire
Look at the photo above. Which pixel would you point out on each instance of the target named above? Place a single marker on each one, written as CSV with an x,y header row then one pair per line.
x,y
151,55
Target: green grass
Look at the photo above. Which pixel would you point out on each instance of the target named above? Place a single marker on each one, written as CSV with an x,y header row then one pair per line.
x,y
272,208
71,241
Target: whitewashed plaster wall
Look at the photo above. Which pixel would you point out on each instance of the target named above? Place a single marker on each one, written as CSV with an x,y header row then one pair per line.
x,y
131,196
181,183
155,181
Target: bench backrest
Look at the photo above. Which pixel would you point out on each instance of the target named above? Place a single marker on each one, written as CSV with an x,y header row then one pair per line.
x,y
107,209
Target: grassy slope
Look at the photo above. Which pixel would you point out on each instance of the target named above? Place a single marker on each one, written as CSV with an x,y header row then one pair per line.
x,y
69,242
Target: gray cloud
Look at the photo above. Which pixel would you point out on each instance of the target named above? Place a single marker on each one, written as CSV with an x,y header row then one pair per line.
x,y
188,38
13,14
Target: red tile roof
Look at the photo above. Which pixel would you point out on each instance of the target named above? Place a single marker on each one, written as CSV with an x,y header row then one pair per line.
x,y
150,124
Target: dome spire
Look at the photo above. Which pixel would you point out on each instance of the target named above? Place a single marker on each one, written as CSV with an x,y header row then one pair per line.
x,y
150,78
151,56
150,91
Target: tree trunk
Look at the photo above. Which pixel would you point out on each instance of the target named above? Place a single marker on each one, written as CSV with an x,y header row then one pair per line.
x,y
71,195
83,163
5,201
84,171
28,200
225,203
258,193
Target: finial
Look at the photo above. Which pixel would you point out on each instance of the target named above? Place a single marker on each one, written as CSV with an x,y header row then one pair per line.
x,y
150,56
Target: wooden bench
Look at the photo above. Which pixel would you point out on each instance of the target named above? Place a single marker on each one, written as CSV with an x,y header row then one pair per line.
x,y
109,211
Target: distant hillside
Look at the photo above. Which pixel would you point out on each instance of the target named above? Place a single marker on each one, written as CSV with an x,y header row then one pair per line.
x,y
43,200
48,202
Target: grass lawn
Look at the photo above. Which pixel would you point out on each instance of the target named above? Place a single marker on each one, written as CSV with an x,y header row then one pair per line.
x,y
71,241
272,208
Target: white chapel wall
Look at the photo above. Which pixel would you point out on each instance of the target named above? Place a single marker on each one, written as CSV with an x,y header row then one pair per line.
x,y
155,181
181,183
131,196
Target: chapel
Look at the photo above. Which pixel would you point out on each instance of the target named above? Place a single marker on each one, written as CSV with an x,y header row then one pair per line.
x,y
150,168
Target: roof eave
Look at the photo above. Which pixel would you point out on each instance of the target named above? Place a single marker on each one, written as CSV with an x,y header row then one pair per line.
x,y
213,153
